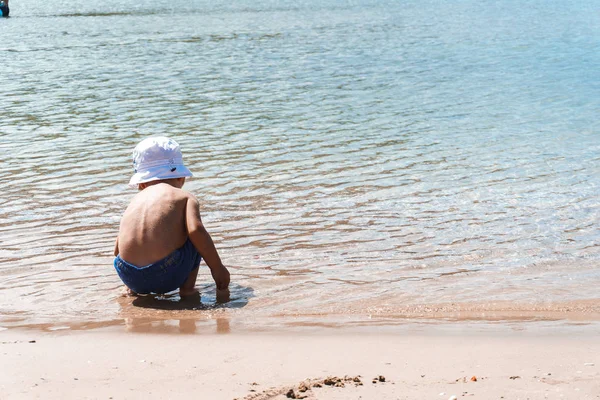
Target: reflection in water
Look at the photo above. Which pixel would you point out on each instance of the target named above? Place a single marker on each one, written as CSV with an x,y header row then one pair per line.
x,y
187,325
223,325
170,313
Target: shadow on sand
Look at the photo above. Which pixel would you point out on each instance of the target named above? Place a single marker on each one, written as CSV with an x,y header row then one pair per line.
x,y
206,299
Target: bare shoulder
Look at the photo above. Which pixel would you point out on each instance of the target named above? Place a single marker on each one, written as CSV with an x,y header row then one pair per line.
x,y
190,197
192,204
182,199
192,213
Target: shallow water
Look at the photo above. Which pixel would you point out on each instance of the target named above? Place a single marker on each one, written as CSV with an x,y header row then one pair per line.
x,y
355,160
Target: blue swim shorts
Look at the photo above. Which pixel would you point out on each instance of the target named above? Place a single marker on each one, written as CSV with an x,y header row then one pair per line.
x,y
163,276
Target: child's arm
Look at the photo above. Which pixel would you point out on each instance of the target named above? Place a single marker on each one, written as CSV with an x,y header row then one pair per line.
x,y
117,247
204,244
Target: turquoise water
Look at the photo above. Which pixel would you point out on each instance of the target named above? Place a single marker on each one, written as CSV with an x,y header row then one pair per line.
x,y
352,158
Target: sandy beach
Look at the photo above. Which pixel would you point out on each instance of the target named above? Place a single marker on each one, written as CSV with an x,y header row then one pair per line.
x,y
465,362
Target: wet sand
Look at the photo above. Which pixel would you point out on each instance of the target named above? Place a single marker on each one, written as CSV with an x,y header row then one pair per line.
x,y
466,363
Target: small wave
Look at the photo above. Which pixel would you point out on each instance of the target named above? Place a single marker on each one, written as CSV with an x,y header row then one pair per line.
x,y
108,13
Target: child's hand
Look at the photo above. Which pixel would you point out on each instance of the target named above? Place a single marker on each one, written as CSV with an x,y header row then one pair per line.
x,y
221,277
222,295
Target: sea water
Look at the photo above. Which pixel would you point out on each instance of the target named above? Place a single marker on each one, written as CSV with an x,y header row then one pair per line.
x,y
356,161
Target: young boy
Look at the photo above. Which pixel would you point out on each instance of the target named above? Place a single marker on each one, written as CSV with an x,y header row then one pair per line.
x,y
161,237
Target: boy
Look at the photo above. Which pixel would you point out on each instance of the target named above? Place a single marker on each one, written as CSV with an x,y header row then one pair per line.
x,y
161,237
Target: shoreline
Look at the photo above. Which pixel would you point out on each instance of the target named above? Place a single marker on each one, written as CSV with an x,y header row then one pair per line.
x,y
416,364
301,326
156,313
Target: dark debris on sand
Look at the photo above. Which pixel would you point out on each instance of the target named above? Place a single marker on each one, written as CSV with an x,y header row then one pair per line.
x,y
304,389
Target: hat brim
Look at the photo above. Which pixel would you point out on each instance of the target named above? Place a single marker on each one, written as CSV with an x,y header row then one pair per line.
x,y
160,172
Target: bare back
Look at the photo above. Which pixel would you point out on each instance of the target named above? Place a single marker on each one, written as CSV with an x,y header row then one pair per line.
x,y
153,225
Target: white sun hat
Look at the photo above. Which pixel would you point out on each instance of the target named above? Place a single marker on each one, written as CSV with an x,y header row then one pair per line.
x,y
157,158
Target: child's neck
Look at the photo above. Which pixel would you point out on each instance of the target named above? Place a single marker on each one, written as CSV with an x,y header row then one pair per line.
x,y
175,182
